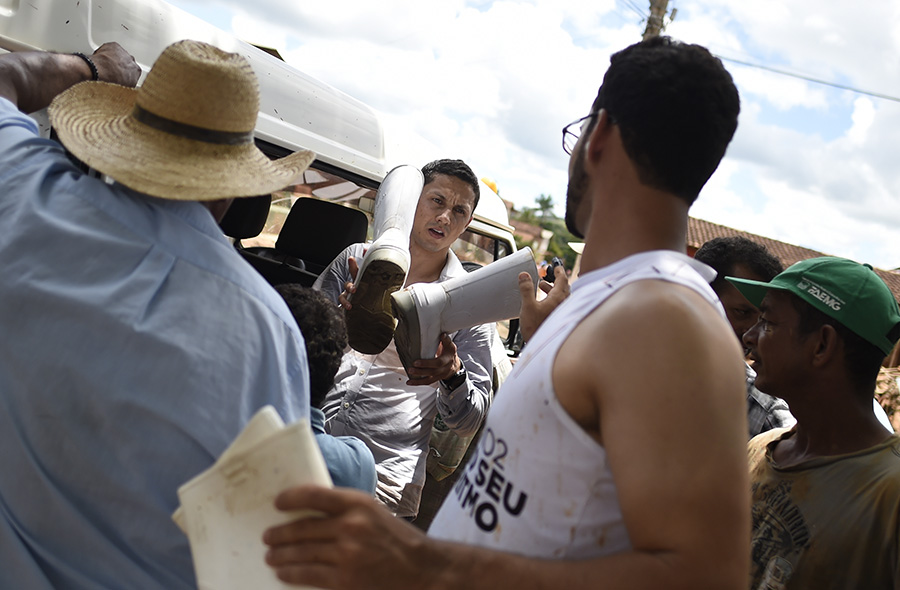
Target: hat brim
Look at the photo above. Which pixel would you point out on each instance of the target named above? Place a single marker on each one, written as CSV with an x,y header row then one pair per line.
x,y
754,291
93,120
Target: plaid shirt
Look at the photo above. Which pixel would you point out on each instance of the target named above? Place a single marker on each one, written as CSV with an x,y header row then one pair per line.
x,y
765,412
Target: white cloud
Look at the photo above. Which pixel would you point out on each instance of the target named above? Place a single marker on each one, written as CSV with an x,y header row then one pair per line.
x,y
780,91
863,117
494,82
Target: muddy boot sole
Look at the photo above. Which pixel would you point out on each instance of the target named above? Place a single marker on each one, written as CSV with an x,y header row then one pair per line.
x,y
370,320
407,337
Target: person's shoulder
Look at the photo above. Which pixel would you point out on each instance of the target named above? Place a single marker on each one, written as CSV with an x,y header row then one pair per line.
x,y
758,450
641,314
661,306
893,445
661,324
8,108
356,250
764,438
347,451
20,131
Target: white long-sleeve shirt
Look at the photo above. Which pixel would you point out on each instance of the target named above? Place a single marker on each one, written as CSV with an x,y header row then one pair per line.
x,y
372,401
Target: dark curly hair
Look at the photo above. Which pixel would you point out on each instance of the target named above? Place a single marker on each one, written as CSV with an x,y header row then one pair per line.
x,y
676,107
325,333
723,254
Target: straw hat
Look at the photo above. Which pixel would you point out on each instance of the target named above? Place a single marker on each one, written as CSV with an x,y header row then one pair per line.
x,y
185,134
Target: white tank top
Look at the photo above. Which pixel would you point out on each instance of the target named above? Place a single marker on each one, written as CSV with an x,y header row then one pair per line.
x,y
537,484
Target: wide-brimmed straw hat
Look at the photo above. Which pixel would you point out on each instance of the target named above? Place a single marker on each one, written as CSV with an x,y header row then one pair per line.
x,y
185,134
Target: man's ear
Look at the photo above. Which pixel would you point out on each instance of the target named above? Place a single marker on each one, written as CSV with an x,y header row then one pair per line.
x,y
828,346
599,135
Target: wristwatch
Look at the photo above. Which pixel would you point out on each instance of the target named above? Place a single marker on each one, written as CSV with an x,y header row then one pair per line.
x,y
457,379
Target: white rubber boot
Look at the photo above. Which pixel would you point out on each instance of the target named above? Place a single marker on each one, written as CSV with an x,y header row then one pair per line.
x,y
426,310
370,321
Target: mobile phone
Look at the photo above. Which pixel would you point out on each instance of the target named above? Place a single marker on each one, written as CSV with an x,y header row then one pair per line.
x,y
551,270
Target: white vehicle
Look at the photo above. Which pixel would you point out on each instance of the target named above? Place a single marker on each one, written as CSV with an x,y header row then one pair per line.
x,y
296,112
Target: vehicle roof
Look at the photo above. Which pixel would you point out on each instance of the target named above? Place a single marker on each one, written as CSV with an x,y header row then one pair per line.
x,y
491,209
297,111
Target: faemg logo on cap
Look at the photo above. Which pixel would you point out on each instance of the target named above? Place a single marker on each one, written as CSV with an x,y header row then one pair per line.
x,y
821,294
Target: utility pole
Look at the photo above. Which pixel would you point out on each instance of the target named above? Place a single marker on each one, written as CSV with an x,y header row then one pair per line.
x,y
655,22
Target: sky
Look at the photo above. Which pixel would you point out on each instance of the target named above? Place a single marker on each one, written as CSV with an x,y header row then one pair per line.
x,y
494,82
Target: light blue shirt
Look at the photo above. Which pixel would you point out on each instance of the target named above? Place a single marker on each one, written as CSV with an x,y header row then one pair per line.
x,y
136,344
349,461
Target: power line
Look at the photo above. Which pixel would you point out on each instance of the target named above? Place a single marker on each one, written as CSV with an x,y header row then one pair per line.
x,y
809,79
635,9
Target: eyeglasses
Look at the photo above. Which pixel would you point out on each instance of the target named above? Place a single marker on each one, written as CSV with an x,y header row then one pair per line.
x,y
572,131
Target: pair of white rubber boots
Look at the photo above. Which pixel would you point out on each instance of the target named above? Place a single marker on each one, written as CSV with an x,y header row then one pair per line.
x,y
417,315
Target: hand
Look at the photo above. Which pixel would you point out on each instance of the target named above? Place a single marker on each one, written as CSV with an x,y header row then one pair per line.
x,y
356,544
534,312
116,65
31,79
443,366
349,287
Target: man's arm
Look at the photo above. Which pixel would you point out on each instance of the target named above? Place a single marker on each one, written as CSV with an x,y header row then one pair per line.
x,y
668,396
464,407
31,79
462,371
333,280
655,376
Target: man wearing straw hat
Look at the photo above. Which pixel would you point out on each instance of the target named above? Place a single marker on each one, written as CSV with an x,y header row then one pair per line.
x,y
136,342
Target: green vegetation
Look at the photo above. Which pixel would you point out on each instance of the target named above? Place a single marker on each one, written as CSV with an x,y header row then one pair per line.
x,y
542,216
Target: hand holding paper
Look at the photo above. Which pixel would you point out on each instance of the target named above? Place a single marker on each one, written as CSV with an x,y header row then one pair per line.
x,y
225,509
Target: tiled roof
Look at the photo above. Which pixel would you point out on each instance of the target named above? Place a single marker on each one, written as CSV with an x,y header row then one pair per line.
x,y
526,230
700,232
887,392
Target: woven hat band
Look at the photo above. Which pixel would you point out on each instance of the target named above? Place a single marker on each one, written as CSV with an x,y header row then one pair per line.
x,y
189,131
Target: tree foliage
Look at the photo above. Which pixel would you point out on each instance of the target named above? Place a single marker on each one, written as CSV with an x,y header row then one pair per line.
x,y
542,216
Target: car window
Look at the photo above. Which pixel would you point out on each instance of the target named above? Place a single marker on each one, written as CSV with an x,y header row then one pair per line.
x,y
473,247
317,183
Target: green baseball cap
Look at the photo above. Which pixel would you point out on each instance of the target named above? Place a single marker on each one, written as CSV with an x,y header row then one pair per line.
x,y
847,291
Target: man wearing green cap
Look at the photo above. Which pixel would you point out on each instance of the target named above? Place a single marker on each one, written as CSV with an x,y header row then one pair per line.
x,y
826,493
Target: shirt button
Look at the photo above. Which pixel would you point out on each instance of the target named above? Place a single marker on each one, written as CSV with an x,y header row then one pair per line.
x,y
362,372
346,405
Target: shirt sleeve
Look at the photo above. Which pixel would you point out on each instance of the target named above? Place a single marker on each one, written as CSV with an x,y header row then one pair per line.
x,y
463,409
350,462
331,281
20,139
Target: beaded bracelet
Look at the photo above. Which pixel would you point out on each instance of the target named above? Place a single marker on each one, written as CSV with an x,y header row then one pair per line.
x,y
95,75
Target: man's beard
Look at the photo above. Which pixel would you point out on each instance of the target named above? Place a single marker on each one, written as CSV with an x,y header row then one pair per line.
x,y
575,194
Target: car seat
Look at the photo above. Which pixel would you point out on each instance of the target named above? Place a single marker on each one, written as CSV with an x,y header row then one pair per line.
x,y
314,232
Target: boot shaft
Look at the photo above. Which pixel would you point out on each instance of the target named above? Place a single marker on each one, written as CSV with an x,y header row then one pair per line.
x,y
395,204
489,294
370,320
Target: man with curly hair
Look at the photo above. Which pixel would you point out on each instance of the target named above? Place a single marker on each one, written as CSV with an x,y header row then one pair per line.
x,y
745,259
588,473
348,459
